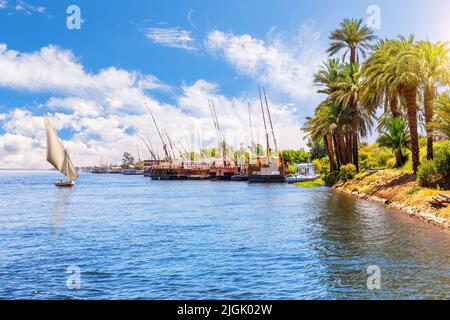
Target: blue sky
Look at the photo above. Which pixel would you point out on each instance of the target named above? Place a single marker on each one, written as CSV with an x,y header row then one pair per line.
x,y
176,54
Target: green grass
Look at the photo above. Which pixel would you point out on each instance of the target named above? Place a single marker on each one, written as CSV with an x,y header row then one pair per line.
x,y
311,184
413,190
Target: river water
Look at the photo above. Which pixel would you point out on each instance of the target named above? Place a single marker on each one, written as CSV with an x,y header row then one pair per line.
x,y
133,238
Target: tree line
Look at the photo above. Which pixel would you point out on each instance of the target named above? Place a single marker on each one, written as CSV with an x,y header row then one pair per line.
x,y
403,77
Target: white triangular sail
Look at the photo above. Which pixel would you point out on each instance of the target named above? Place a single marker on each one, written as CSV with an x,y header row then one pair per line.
x,y
57,154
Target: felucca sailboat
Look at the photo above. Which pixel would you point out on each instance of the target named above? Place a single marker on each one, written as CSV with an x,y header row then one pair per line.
x,y
57,155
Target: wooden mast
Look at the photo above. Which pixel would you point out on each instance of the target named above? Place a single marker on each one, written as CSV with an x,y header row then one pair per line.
x,y
216,126
170,144
265,126
160,136
251,127
152,154
270,121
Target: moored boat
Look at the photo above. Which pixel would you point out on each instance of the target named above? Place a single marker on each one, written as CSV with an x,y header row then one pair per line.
x,y
240,176
132,172
267,170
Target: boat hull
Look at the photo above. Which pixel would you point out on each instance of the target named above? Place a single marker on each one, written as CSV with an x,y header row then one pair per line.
x,y
239,178
165,178
65,184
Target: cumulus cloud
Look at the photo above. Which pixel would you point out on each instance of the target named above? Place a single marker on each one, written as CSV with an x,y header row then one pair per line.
x,y
171,37
101,115
286,64
55,70
23,7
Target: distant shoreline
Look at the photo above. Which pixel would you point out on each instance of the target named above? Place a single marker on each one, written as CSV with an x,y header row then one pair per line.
x,y
22,169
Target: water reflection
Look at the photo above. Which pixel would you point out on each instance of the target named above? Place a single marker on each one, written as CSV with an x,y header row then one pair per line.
x,y
62,198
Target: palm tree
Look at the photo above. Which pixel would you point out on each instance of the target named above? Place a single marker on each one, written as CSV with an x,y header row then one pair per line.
x,y
346,92
329,113
396,137
442,120
353,37
327,75
402,74
435,73
321,127
375,92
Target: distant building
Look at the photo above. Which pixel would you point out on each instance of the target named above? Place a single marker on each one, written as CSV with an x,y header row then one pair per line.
x,y
306,169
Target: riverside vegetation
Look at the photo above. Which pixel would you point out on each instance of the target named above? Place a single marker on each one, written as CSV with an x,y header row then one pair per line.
x,y
398,87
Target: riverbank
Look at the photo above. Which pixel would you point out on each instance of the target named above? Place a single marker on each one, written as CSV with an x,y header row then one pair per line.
x,y
398,189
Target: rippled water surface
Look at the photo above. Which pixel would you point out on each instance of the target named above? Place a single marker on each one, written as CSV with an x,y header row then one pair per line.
x,y
136,238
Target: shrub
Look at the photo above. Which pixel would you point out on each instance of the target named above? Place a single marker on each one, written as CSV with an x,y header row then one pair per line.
x,y
348,172
332,178
363,161
428,175
381,157
436,173
319,165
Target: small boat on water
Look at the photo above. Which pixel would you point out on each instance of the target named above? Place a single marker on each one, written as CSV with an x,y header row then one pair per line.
x,y
57,155
304,172
240,176
65,183
132,172
300,178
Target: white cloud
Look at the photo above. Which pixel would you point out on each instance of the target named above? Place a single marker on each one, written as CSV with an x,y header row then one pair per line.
x,y
54,70
101,115
22,122
78,106
171,37
28,9
150,82
286,64
3,4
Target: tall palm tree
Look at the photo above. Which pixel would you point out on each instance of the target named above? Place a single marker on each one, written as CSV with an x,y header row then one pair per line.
x,y
395,136
435,73
402,73
353,37
337,120
345,92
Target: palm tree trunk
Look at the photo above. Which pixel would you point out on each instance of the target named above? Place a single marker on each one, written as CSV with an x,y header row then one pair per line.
x,y
428,99
352,55
393,104
355,137
336,150
329,147
398,157
410,94
344,140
